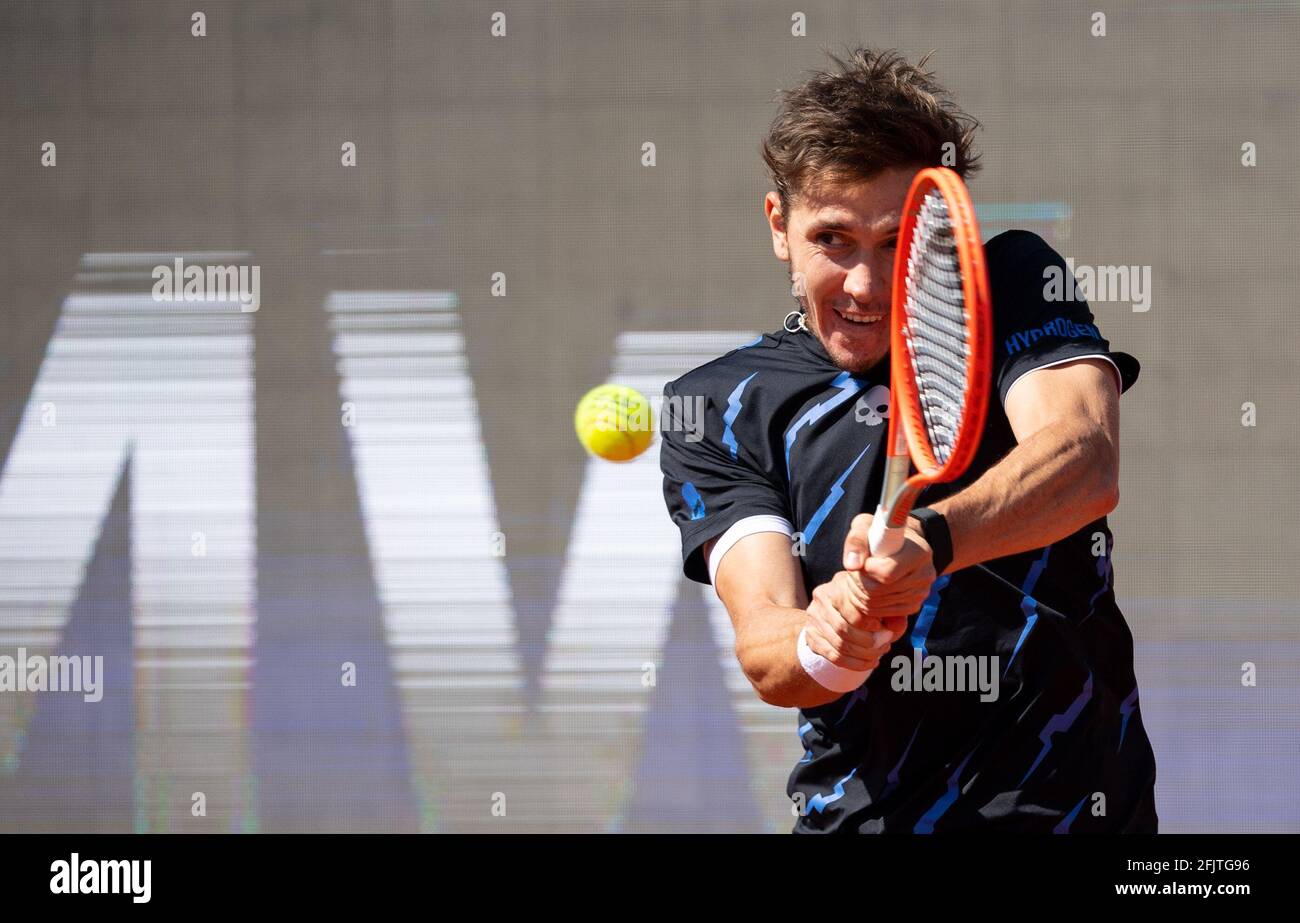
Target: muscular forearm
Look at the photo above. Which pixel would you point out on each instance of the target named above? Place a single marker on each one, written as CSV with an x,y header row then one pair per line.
x,y
1059,479
766,650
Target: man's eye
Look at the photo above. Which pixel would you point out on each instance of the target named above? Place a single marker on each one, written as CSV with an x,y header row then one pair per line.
x,y
891,244
829,238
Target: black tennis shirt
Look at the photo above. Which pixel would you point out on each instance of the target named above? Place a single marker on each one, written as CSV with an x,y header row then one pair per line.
x,y
1061,747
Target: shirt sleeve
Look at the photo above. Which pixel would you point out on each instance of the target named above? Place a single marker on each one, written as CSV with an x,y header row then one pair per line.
x,y
712,480
1039,318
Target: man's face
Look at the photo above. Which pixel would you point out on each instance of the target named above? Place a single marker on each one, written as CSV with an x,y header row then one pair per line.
x,y
839,243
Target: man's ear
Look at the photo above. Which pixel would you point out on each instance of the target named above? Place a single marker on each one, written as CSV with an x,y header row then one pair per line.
x,y
776,221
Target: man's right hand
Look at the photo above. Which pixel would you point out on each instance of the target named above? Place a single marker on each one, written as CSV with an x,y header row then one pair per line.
x,y
840,628
760,582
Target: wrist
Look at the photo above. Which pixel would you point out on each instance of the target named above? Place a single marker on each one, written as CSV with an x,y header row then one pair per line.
x,y
824,673
934,529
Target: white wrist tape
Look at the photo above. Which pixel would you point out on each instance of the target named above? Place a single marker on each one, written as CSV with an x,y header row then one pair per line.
x,y
826,674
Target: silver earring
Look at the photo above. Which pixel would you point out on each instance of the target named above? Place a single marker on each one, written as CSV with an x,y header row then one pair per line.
x,y
799,324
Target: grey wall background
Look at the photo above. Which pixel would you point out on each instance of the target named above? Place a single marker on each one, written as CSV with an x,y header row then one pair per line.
x,y
521,155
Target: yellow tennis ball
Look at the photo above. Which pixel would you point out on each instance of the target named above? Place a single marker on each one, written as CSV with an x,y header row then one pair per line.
x,y
614,422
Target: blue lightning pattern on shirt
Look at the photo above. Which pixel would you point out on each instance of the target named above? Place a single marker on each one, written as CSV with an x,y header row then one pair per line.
x,y
930,608
837,491
892,778
1126,709
1064,825
733,411
848,387
691,494
1107,573
807,751
940,807
819,801
1060,723
1028,605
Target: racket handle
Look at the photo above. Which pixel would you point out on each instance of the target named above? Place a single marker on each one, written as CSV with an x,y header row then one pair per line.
x,y
885,542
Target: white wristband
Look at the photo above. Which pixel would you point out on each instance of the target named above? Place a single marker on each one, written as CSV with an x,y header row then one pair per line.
x,y
826,674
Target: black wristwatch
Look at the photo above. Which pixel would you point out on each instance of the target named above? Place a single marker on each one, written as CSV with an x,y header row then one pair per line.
x,y
935,529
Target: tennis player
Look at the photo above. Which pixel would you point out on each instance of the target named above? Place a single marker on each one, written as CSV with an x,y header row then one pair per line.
x,y
933,695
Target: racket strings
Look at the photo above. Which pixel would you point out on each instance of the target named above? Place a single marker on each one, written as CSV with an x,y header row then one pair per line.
x,y
935,333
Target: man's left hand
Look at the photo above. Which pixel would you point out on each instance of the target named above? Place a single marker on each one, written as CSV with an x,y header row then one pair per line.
x,y
897,585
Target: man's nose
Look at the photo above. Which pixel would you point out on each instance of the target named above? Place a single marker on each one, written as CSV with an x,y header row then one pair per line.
x,y
868,283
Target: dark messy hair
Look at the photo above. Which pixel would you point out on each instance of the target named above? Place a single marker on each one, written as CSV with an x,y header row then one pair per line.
x,y
878,112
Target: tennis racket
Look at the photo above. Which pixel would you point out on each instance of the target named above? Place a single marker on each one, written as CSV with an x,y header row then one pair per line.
x,y
941,341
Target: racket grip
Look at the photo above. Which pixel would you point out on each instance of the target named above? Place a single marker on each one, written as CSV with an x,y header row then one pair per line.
x,y
884,541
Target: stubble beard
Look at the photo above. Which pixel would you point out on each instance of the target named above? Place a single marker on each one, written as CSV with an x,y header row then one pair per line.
x,y
851,366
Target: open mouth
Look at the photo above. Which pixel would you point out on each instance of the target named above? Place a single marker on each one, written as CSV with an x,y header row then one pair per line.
x,y
863,320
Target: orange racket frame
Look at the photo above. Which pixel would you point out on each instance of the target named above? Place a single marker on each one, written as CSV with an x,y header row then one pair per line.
x,y
908,440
